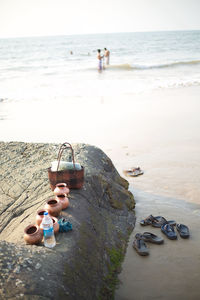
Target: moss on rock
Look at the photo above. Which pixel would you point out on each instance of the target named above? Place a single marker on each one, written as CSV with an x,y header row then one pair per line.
x,y
85,262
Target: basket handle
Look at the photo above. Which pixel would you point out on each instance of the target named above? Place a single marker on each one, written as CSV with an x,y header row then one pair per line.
x,y
62,147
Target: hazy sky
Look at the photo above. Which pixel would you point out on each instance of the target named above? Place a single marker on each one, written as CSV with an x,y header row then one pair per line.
x,y
52,17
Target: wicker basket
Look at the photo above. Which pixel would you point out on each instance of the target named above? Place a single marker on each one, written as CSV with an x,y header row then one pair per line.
x,y
73,178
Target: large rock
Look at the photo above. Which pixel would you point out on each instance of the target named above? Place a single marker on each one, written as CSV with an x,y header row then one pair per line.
x,y
85,261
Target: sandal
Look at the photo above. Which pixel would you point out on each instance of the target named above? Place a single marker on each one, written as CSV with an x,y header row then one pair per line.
x,y
159,221
147,221
168,230
133,172
140,246
152,238
183,230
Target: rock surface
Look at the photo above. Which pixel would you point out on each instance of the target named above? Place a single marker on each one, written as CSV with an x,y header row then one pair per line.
x,y
85,261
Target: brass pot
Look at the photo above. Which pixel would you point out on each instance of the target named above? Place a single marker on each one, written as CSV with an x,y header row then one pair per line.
x,y
40,215
61,188
62,198
53,206
33,234
55,224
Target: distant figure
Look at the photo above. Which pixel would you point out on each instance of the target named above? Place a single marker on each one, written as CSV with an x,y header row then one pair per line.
x,y
100,59
107,56
71,52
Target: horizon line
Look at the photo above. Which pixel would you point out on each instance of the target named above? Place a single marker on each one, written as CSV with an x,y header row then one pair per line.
x,y
99,33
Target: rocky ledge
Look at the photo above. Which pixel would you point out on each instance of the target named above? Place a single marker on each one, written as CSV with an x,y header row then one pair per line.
x,y
85,261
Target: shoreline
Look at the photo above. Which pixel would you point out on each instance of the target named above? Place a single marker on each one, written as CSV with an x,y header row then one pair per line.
x,y
158,131
175,263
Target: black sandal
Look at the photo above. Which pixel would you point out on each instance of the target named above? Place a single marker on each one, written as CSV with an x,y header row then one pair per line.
x,y
159,221
152,238
168,230
183,230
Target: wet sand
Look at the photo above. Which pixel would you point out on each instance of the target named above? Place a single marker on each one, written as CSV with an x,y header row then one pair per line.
x,y
158,131
169,187
171,271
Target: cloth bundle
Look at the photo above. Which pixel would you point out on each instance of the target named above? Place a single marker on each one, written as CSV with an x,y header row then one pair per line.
x,y
64,225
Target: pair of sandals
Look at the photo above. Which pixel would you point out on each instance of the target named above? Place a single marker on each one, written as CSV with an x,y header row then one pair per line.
x,y
139,243
167,227
157,221
169,231
133,172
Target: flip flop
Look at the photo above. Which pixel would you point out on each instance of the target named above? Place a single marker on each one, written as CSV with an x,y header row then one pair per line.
x,y
159,221
168,230
148,220
155,221
183,230
152,238
133,172
140,246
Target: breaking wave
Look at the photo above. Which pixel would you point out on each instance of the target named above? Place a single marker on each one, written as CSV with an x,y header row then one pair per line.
x,y
128,66
167,65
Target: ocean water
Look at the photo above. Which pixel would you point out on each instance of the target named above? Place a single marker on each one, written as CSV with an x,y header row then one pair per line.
x,y
42,68
50,95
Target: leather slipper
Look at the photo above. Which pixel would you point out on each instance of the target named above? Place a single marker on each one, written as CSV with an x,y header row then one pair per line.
x,y
147,221
159,221
133,172
140,246
183,230
168,230
152,238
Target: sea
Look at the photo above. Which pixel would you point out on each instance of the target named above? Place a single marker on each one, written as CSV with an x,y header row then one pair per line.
x,y
51,91
36,68
63,69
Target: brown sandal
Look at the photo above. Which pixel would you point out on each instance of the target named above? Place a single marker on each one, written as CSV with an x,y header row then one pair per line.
x,y
150,220
133,172
157,221
140,246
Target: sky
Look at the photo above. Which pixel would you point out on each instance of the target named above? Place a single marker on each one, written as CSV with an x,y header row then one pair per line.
x,y
62,17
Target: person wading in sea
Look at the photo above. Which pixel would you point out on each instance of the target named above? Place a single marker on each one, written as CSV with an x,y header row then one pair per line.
x,y
100,60
107,56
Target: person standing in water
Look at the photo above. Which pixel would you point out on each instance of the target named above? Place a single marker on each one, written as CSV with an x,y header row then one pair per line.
x,y
100,59
107,56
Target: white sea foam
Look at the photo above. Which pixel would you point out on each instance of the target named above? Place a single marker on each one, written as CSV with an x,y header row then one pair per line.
x,y
166,65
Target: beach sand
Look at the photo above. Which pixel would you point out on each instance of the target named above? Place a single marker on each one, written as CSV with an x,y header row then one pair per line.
x,y
169,187
158,131
171,271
